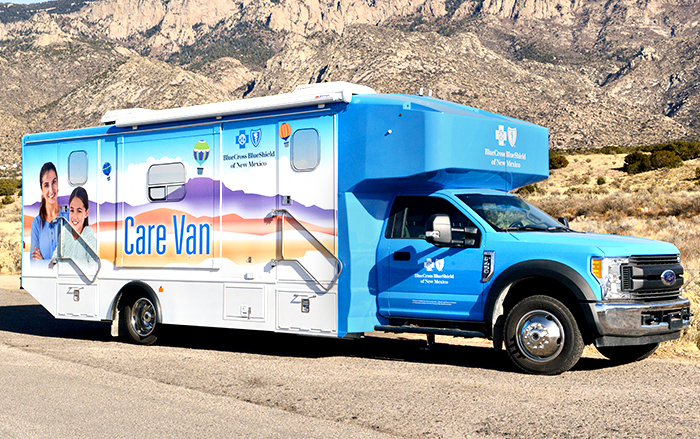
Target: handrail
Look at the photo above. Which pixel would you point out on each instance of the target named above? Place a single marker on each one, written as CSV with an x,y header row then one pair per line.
x,y
274,262
90,249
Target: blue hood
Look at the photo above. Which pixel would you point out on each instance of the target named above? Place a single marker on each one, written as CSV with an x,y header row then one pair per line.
x,y
610,245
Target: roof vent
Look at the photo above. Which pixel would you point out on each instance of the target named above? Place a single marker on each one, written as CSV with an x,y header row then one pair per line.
x,y
345,88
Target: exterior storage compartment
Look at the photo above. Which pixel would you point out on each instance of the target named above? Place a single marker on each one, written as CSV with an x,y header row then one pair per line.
x,y
304,311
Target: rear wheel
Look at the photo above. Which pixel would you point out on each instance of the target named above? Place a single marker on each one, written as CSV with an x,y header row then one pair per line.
x,y
140,319
628,354
542,336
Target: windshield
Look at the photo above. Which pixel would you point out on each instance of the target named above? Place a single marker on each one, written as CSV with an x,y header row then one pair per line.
x,y
508,213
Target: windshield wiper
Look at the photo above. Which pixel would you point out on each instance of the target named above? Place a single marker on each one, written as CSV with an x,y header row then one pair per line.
x,y
538,228
526,228
559,229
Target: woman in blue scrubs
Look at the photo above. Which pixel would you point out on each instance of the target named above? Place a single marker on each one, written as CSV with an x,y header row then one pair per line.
x,y
45,229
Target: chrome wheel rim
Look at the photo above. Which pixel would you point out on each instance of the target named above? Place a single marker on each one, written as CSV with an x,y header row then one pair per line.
x,y
540,336
143,317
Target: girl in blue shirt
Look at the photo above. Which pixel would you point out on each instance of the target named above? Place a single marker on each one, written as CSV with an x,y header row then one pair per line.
x,y
80,251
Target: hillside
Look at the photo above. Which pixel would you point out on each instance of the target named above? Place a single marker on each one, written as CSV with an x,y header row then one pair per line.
x,y
596,73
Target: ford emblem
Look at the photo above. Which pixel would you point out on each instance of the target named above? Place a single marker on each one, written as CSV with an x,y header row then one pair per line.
x,y
668,277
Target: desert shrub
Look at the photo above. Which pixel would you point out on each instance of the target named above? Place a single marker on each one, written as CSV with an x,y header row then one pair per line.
x,y
684,150
8,186
8,199
557,161
573,190
697,173
665,159
600,181
637,162
527,190
662,155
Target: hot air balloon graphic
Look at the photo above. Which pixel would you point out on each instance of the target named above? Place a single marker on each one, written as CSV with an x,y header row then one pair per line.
x,y
201,154
107,169
285,131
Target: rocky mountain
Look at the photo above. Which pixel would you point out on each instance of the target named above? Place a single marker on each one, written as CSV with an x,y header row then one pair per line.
x,y
597,73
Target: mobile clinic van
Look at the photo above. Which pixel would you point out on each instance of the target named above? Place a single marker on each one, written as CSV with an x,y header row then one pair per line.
x,y
333,211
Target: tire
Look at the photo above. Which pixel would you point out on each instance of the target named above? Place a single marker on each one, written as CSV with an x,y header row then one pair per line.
x,y
628,354
140,319
542,336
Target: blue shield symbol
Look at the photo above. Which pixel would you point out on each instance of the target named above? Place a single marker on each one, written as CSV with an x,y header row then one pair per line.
x,y
256,137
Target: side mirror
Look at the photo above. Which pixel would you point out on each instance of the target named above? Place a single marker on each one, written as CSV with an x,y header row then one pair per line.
x,y
439,230
563,221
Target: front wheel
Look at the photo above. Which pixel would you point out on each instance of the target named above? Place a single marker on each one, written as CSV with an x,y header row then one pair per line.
x,y
140,319
628,354
542,336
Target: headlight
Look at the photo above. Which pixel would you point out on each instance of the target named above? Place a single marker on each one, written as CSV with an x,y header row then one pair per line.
x,y
608,273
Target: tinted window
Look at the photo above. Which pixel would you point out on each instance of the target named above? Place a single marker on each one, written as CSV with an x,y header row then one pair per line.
x,y
409,217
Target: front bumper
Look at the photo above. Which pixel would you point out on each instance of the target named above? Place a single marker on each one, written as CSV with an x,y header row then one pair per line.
x,y
638,323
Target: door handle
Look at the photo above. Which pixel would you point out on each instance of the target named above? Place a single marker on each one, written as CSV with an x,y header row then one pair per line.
x,y
402,256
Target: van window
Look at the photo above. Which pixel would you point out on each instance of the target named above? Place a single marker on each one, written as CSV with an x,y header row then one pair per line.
x,y
166,182
77,168
306,150
409,217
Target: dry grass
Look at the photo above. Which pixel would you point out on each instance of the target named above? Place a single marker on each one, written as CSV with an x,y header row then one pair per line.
x,y
662,205
11,237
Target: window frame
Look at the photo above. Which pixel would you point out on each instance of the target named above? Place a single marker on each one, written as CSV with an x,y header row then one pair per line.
x,y
87,168
167,185
403,210
293,149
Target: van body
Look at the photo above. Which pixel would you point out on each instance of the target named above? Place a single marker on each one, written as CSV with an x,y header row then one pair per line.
x,y
335,211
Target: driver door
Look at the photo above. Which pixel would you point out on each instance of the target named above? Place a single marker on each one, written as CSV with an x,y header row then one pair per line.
x,y
422,280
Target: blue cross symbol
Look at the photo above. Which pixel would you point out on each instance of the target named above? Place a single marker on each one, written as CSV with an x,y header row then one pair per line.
x,y
242,139
501,136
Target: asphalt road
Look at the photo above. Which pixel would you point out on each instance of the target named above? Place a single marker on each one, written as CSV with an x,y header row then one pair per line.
x,y
71,379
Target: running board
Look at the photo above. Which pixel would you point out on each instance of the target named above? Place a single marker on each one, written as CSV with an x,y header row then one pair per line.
x,y
434,331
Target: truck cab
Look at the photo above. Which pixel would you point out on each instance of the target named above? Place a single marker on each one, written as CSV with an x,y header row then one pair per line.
x,y
489,262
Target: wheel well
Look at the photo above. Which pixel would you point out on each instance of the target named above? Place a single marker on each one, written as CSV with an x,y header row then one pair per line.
x,y
131,291
547,287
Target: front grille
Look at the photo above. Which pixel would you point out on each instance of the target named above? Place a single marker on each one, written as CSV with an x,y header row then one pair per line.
x,y
642,277
655,260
